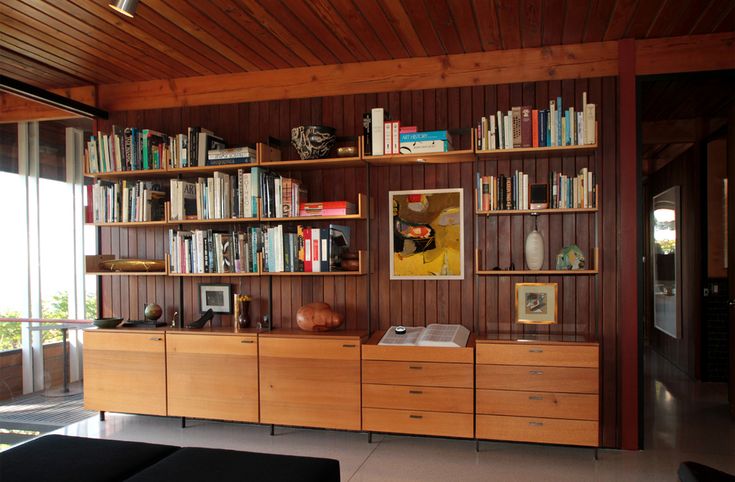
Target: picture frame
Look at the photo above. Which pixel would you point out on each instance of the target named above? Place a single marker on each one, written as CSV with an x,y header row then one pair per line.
x,y
216,296
426,232
537,303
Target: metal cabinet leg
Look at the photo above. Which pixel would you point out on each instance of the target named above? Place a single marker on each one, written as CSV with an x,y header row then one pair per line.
x,y
102,416
183,422
370,437
595,455
273,430
477,445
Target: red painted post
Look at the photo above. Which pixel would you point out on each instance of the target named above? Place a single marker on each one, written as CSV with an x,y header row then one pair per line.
x,y
627,245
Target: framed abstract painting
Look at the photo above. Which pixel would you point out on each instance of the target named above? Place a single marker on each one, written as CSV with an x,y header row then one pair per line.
x,y
426,234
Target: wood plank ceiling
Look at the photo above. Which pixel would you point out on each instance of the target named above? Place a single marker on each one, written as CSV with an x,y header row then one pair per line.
x,y
61,43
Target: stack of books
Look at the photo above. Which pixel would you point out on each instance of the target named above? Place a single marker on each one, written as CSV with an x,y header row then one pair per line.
x,y
573,192
327,208
289,249
502,192
221,196
122,201
191,149
280,195
384,136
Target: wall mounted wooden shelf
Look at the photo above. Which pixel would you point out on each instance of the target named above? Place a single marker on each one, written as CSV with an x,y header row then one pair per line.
x,y
269,158
129,174
213,221
213,275
485,154
210,169
131,224
362,206
362,270
450,157
543,272
531,212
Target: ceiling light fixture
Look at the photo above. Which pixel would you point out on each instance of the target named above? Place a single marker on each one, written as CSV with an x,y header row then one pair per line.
x,y
126,7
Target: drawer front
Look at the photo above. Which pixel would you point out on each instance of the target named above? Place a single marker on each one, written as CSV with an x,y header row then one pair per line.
x,y
537,378
309,348
540,404
540,430
124,342
417,422
457,375
535,355
237,345
418,398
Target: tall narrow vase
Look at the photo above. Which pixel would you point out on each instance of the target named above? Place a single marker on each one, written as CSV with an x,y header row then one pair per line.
x,y
534,250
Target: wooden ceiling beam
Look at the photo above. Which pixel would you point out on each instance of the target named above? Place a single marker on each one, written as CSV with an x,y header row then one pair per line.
x,y
17,109
692,53
497,67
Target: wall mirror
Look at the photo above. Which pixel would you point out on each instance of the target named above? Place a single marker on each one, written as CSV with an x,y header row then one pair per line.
x,y
666,261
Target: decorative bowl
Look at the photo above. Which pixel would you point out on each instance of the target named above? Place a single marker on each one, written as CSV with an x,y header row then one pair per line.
x,y
350,151
107,322
313,142
125,265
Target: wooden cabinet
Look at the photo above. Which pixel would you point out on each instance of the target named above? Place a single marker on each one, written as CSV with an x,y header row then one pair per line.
x,y
418,390
310,380
125,371
546,392
213,375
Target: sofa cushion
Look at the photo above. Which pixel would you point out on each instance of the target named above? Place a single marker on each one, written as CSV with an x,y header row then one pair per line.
x,y
695,472
197,464
78,459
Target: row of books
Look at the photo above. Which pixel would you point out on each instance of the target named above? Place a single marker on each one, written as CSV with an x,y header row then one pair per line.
x,y
127,149
292,249
579,191
133,149
503,192
384,136
208,251
524,127
124,201
281,196
220,196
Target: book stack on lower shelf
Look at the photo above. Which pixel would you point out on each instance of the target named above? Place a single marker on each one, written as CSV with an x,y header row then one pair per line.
x,y
208,252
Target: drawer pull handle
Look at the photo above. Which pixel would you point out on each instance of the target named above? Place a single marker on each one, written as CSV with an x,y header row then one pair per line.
x,y
535,350
535,397
415,392
417,417
155,338
536,372
412,367
349,345
536,424
247,341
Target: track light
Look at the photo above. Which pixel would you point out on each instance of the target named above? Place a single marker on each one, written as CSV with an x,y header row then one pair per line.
x,y
126,7
36,94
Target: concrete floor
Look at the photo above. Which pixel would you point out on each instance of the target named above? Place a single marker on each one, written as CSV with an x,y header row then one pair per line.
x,y
684,420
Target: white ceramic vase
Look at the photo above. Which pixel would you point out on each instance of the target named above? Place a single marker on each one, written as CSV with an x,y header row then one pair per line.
x,y
534,250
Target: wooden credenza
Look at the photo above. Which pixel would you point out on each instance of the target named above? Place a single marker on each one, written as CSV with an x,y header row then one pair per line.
x,y
212,375
417,390
531,391
125,371
310,379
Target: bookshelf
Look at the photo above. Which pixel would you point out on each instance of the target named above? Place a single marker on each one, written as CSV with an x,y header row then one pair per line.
x,y
449,157
142,173
535,212
362,257
229,168
361,214
92,267
269,158
484,154
543,272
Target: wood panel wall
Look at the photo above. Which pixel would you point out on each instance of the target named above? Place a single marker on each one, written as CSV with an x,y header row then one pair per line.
x,y
587,305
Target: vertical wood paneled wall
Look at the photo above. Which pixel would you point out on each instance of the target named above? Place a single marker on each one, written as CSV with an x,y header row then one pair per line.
x,y
587,304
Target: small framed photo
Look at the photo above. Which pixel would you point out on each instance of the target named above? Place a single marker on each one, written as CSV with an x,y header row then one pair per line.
x,y
218,297
536,303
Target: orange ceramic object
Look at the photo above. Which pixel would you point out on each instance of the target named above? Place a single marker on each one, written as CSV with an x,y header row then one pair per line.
x,y
318,317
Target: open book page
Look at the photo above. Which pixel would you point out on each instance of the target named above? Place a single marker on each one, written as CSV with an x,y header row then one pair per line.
x,y
409,338
444,335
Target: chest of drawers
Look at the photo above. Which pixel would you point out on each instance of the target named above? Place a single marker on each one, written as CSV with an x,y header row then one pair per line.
x,y
418,390
538,392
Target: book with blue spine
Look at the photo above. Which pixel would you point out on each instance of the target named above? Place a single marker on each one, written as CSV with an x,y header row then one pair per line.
x,y
559,110
425,136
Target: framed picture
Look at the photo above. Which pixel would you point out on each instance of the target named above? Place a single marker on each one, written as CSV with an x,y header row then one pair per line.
x,y
426,234
218,297
536,303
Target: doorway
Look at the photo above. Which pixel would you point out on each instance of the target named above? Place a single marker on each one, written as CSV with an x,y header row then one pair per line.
x,y
685,121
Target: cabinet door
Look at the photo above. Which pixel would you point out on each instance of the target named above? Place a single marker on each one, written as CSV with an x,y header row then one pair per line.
x,y
310,382
125,372
212,376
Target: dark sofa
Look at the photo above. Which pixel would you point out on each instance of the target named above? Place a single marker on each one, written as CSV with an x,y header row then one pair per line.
x,y
77,459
